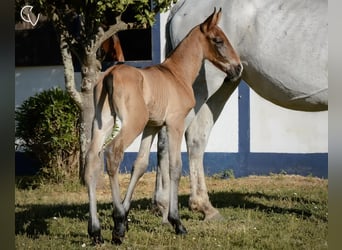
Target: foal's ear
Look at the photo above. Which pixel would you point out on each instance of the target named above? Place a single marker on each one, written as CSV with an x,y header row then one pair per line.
x,y
211,21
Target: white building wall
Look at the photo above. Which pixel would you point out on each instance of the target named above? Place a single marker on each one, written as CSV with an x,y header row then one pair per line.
x,y
32,80
276,129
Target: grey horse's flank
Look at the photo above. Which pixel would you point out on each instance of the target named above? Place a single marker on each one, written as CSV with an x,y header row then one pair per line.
x,y
145,100
285,46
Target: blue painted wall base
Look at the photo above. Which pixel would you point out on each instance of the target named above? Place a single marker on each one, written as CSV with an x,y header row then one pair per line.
x,y
251,164
215,163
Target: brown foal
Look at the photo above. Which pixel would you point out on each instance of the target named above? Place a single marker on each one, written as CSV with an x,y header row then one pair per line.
x,y
145,100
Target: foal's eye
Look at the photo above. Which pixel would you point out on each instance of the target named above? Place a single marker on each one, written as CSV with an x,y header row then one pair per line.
x,y
218,41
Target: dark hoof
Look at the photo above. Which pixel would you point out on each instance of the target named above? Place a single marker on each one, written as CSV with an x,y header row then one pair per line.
x,y
97,238
118,234
177,225
95,234
181,230
117,240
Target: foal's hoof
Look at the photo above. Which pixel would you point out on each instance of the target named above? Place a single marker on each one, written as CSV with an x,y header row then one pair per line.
x,y
118,235
97,239
117,240
181,230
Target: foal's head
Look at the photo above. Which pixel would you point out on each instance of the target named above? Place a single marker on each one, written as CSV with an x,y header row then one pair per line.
x,y
218,49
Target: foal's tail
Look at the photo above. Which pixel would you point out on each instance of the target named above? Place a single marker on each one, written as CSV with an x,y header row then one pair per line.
x,y
108,86
104,89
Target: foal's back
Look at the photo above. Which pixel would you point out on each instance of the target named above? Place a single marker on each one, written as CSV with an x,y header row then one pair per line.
x,y
155,88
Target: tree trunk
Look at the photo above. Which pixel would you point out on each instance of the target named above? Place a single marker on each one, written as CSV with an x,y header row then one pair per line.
x,y
87,114
91,69
84,99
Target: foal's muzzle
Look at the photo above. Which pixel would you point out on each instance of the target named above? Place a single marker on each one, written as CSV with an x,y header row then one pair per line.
x,y
234,72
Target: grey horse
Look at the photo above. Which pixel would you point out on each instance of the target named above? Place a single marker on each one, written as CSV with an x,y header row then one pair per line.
x,y
285,46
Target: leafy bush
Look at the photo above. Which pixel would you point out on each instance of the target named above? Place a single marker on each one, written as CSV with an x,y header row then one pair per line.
x,y
47,123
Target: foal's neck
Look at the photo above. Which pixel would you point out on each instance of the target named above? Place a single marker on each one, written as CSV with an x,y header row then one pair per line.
x,y
186,60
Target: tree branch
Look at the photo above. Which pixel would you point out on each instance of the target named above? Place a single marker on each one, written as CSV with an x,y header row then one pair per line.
x,y
102,35
69,75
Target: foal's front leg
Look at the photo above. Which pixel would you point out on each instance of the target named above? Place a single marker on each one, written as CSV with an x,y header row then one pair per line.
x,y
175,133
162,185
140,164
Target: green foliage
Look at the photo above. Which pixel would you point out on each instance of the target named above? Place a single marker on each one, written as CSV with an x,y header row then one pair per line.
x,y
48,125
94,13
226,174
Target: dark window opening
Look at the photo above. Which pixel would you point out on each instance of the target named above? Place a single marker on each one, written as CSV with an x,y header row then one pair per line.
x,y
40,47
136,44
37,47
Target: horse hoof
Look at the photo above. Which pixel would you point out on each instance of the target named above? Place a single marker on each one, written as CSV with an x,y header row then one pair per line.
x,y
214,217
97,239
96,236
181,230
117,240
118,236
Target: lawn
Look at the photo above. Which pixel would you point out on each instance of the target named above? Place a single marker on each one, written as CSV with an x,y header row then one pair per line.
x,y
260,212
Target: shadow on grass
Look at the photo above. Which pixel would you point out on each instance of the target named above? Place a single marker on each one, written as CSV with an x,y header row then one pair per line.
x,y
33,219
244,200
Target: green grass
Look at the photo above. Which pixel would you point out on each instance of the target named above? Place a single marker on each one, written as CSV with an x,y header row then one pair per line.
x,y
274,212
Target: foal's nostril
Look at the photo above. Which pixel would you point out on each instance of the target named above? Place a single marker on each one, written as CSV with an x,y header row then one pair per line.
x,y
239,68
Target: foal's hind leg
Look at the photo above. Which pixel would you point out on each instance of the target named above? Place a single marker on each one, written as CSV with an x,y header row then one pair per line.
x,y
93,168
114,154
